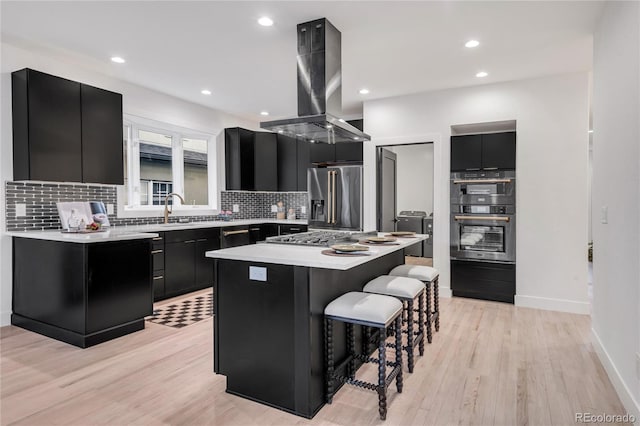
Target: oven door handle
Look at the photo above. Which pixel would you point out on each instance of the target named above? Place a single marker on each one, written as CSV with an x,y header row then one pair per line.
x,y
458,181
489,218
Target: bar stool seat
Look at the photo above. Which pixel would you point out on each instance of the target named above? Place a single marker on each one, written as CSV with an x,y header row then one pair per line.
x,y
375,309
369,310
429,276
407,290
422,273
403,287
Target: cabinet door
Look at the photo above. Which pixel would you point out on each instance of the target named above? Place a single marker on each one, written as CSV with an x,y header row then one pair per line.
x,y
499,151
204,265
179,267
349,151
466,152
322,152
54,135
287,163
303,155
102,148
266,162
119,288
239,159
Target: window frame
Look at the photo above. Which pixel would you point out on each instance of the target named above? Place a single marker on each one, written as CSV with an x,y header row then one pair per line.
x,y
177,133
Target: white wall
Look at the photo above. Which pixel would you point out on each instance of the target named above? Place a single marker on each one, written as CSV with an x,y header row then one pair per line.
x,y
552,149
414,177
137,100
616,184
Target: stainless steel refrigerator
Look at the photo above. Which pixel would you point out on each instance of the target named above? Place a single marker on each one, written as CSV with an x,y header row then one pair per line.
x,y
335,197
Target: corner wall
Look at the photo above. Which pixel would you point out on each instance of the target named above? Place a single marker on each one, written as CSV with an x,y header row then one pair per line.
x,y
616,186
137,101
552,153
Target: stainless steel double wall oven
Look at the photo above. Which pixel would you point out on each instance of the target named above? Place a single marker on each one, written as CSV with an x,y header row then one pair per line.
x,y
483,216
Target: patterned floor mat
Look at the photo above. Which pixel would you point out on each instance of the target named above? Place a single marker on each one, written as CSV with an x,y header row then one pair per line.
x,y
185,312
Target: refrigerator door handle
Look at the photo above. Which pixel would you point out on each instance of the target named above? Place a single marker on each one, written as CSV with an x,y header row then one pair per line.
x,y
333,203
329,198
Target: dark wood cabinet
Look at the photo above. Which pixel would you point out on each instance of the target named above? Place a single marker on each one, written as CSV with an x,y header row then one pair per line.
x,y
483,280
82,294
499,151
251,160
186,266
288,163
65,131
483,152
102,147
351,151
322,153
291,229
157,257
303,163
47,137
466,152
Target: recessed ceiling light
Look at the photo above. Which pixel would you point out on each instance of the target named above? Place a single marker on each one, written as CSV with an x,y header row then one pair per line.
x,y
482,74
312,141
472,43
355,138
281,131
264,112
364,91
265,21
205,92
118,60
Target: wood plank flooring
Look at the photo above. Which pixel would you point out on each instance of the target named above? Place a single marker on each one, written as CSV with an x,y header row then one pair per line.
x,y
490,364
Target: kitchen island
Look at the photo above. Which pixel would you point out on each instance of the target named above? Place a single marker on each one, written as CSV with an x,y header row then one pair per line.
x,y
269,301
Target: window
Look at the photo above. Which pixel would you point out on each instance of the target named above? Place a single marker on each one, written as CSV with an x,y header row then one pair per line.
x,y
160,159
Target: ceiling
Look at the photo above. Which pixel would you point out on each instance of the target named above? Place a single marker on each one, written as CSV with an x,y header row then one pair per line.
x,y
390,47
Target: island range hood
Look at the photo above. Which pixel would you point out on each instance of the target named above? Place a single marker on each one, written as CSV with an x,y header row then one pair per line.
x,y
319,89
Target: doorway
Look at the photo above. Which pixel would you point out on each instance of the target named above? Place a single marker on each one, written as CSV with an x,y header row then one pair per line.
x,y
406,194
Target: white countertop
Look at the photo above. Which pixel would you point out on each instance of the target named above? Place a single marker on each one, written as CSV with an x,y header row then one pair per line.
x,y
285,254
135,232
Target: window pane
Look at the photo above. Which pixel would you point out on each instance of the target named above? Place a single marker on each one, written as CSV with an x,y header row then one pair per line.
x,y
156,179
196,190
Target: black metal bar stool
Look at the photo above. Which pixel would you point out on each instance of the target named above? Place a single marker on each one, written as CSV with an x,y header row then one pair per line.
x,y
429,276
407,290
370,310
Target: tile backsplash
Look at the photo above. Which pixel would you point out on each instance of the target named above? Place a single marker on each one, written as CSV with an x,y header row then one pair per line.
x,y
40,199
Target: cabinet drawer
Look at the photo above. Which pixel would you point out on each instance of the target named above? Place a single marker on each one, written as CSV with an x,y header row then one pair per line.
x,y
158,242
158,259
292,229
158,287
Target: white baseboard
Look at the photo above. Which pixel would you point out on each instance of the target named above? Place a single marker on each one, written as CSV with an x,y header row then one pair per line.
x,y
444,291
548,304
630,404
5,318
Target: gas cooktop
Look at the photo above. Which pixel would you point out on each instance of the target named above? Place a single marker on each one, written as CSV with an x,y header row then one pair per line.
x,y
319,238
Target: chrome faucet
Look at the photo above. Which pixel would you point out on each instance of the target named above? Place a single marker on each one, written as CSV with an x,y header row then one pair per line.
x,y
167,212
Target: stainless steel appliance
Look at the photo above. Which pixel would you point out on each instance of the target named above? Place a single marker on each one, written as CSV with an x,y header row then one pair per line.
x,y
483,188
427,245
319,88
319,238
412,220
483,216
335,197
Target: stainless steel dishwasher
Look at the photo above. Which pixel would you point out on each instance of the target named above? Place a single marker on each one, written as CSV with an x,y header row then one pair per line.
x,y
412,220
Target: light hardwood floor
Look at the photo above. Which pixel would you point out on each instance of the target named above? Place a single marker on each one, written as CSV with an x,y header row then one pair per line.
x,y
490,364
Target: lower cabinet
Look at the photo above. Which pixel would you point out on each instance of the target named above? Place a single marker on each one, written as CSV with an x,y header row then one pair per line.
x,y
483,280
291,229
186,267
82,294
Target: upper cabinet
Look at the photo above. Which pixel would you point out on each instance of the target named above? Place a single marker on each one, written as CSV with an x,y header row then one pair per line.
x,y
65,131
251,160
483,152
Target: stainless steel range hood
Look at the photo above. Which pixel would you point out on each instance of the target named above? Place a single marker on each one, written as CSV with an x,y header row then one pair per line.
x,y
319,89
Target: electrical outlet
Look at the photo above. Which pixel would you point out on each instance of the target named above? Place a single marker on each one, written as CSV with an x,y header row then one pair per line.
x,y
274,208
236,208
638,365
21,210
110,209
303,209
